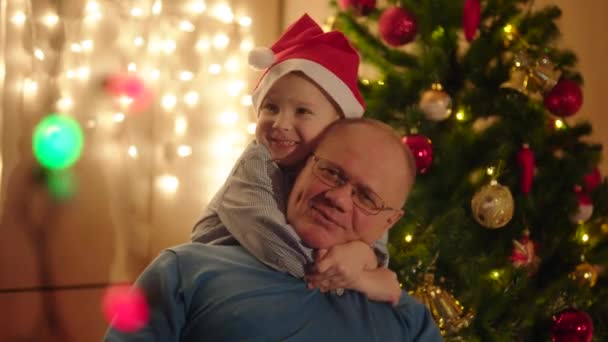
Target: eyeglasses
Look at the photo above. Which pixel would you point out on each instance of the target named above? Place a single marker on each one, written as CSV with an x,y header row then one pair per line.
x,y
332,175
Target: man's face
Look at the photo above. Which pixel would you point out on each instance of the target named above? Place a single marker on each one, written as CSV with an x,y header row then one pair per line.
x,y
324,216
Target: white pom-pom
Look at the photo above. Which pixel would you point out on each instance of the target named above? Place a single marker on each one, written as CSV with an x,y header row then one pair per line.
x,y
261,57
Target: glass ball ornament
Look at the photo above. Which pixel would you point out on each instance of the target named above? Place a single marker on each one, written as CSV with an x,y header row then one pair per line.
x,y
397,26
436,104
422,150
493,205
57,142
565,99
572,325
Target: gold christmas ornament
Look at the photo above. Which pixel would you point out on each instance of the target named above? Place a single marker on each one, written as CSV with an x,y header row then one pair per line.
x,y
493,205
446,310
585,274
529,75
436,103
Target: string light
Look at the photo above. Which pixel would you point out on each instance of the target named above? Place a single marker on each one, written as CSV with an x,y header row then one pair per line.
x,y
245,21
198,7
132,151
215,69
186,26
191,98
251,128
50,20
18,18
168,184
223,13
585,238
184,151
169,101
460,115
221,41
118,117
408,238
39,54
181,125
228,118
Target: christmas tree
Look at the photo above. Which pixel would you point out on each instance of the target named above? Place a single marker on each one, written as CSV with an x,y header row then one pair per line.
x,y
505,235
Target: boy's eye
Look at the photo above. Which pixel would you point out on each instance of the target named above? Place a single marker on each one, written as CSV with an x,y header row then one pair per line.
x,y
271,107
303,110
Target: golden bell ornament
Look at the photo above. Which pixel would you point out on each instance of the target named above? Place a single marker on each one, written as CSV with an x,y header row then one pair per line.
x,y
585,274
447,311
544,74
436,103
518,80
493,205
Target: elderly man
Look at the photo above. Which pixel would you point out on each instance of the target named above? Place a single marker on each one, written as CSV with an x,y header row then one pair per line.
x,y
351,188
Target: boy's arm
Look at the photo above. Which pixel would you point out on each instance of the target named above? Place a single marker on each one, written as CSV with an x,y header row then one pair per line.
x,y
252,209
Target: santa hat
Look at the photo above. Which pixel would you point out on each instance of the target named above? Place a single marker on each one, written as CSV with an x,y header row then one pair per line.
x,y
327,58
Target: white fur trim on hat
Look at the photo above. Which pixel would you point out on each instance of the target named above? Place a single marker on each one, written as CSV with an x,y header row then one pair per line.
x,y
326,79
261,58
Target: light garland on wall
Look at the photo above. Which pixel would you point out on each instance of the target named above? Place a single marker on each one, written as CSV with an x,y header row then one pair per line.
x,y
189,57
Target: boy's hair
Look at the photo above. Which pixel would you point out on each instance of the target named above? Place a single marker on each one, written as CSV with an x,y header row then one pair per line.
x,y
327,59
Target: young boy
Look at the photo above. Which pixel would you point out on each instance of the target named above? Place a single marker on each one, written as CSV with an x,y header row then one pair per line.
x,y
310,81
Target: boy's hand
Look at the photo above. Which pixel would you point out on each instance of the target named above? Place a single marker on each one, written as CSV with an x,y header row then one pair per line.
x,y
341,266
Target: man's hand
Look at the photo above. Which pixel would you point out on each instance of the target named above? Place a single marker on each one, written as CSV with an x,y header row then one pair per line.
x,y
341,266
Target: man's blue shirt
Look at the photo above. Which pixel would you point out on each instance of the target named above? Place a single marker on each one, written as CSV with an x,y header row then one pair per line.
x,y
200,292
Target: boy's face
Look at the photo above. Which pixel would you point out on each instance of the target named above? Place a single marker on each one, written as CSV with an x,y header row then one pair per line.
x,y
291,117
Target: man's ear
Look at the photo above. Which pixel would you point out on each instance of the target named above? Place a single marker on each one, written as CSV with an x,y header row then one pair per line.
x,y
393,218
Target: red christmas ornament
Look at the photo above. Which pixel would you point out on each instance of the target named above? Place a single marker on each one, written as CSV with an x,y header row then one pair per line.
x,y
125,308
525,159
564,99
572,325
360,7
592,180
471,17
421,149
397,26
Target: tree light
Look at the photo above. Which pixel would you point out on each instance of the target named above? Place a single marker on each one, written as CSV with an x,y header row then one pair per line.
x,y
408,238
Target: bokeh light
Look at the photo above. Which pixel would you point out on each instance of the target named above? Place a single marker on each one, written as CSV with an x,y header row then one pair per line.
x,y
125,308
57,142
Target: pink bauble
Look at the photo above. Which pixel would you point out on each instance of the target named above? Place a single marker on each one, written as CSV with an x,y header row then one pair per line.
x,y
360,7
572,325
564,99
397,26
130,86
421,149
471,16
125,308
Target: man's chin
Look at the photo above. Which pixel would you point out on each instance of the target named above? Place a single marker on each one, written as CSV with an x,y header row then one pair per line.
x,y
314,240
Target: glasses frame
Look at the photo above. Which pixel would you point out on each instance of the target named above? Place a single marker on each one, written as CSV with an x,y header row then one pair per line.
x,y
344,179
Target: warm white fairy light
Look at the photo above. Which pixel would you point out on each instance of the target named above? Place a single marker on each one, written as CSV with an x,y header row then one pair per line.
x,y
232,64
50,20
168,102
18,18
92,7
155,74
228,118
136,12
125,101
132,67
118,117
167,184
181,125
75,47
71,74
30,86
223,13
138,41
65,103
39,54
198,7
202,45
221,41
87,45
191,98
245,21
215,69
246,100
186,26
184,151
169,46
83,72
157,7
186,75
91,123
251,128
132,151
246,45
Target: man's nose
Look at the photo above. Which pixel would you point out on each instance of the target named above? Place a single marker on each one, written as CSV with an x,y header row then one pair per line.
x,y
341,197
283,121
